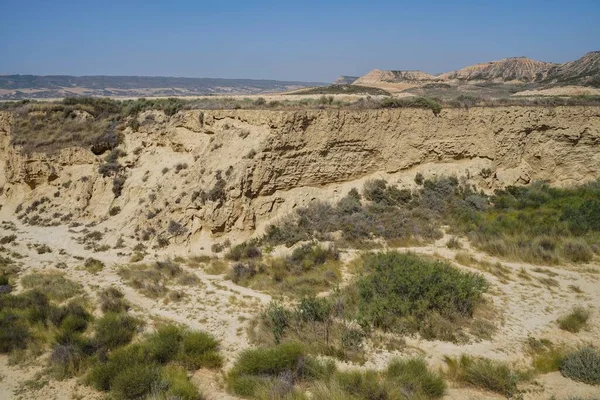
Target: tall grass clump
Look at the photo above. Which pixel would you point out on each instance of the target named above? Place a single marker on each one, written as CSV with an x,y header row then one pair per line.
x,y
575,320
546,357
487,374
415,377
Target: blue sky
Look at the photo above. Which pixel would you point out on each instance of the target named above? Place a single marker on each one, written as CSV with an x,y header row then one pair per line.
x,y
303,40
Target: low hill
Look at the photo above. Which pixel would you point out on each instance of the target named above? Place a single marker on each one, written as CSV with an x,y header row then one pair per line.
x,y
508,69
378,76
343,89
584,72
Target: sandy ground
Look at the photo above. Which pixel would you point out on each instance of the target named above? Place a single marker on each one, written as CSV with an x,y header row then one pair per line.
x,y
392,87
525,308
562,91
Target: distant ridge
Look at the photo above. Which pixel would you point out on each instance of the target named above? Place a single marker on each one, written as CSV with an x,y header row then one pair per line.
x,y
584,72
345,80
49,86
508,69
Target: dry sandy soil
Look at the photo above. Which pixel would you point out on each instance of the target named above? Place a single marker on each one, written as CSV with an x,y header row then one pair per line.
x,y
525,307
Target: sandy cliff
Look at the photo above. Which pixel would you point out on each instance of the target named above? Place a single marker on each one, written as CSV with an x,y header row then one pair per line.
x,y
239,168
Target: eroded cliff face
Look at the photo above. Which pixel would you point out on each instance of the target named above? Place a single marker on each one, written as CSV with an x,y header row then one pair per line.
x,y
222,170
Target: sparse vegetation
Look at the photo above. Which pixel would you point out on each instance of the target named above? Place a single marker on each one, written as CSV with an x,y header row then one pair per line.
x,y
54,285
344,89
387,212
539,224
412,102
152,280
310,269
286,371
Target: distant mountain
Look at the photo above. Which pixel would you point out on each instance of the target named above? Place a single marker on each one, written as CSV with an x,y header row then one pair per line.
x,y
521,69
37,86
345,80
582,72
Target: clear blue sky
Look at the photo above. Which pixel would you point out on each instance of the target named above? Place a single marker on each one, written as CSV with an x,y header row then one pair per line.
x,y
300,40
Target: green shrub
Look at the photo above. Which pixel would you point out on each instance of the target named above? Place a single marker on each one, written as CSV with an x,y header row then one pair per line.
x,y
362,384
114,330
548,360
575,320
164,344
14,332
135,381
415,377
269,361
400,286
179,386
243,251
392,214
74,323
279,318
582,365
538,223
243,385
102,374
311,255
200,350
